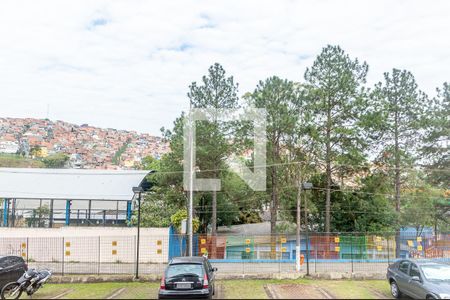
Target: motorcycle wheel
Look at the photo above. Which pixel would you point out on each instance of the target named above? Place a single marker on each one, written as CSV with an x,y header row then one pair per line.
x,y
11,291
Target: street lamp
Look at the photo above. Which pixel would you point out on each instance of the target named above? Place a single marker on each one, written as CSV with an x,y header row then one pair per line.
x,y
303,186
307,186
139,190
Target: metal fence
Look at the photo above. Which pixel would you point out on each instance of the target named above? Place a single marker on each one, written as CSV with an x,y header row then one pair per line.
x,y
23,218
232,254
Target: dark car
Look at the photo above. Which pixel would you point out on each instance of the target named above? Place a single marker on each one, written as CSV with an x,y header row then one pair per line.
x,y
11,268
420,279
188,277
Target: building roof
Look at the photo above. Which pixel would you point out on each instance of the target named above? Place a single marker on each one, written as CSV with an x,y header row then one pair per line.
x,y
69,184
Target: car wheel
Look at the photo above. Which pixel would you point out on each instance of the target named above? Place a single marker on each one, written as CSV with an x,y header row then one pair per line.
x,y
395,290
429,297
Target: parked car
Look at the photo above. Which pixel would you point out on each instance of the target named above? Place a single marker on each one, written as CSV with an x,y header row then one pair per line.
x,y
420,279
11,268
188,277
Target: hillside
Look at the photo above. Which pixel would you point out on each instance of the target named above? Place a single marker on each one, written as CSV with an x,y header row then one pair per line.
x,y
87,146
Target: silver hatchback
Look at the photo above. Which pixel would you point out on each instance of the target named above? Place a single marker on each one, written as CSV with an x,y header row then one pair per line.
x,y
419,279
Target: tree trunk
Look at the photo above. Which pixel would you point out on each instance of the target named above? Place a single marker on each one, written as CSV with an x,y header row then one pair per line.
x,y
328,170
214,225
273,215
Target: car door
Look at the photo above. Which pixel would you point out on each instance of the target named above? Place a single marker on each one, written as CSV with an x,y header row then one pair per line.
x,y
211,274
417,289
402,276
3,272
13,268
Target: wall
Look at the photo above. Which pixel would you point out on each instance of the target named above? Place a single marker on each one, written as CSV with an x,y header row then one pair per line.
x,y
91,244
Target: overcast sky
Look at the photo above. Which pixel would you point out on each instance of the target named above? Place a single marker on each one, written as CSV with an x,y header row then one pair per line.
x,y
128,64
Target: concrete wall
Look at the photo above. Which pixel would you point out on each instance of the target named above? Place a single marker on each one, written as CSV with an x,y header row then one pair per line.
x,y
90,244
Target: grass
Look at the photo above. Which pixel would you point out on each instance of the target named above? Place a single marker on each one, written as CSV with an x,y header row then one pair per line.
x,y
17,161
49,290
244,289
133,290
232,289
346,289
380,286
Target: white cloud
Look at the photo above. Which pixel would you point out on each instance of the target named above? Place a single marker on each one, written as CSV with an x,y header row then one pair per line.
x,y
128,64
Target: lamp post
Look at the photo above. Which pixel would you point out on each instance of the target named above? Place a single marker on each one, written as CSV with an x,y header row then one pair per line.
x,y
307,186
138,190
302,186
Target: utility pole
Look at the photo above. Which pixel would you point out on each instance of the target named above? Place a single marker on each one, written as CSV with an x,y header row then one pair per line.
x,y
191,182
307,236
297,247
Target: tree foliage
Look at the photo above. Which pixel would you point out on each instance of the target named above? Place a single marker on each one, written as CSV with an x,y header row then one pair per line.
x,y
335,99
361,148
56,161
435,147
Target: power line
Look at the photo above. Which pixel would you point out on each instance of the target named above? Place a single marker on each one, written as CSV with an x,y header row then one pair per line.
x,y
319,212
342,191
128,172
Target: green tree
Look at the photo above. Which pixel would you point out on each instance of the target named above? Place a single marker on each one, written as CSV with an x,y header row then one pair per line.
x,y
35,151
424,206
280,98
216,92
155,212
336,99
178,217
435,150
56,161
365,209
39,216
399,110
165,196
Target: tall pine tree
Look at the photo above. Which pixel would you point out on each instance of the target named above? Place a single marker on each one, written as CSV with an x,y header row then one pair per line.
x,y
400,106
335,101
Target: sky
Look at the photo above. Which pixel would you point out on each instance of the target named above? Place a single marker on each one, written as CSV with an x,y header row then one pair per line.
x,y
128,64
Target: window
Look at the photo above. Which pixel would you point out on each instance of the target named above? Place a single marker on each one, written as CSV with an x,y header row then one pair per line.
x,y
437,272
2,262
184,269
403,267
209,267
414,271
9,261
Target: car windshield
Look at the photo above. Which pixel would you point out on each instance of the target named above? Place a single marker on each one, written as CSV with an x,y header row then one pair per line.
x,y
436,272
184,269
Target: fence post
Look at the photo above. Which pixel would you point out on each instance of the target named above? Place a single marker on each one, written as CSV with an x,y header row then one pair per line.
x,y
99,256
315,261
134,250
388,250
279,263
307,252
27,251
351,251
63,255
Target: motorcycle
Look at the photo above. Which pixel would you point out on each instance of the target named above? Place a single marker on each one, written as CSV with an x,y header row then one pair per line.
x,y
31,281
